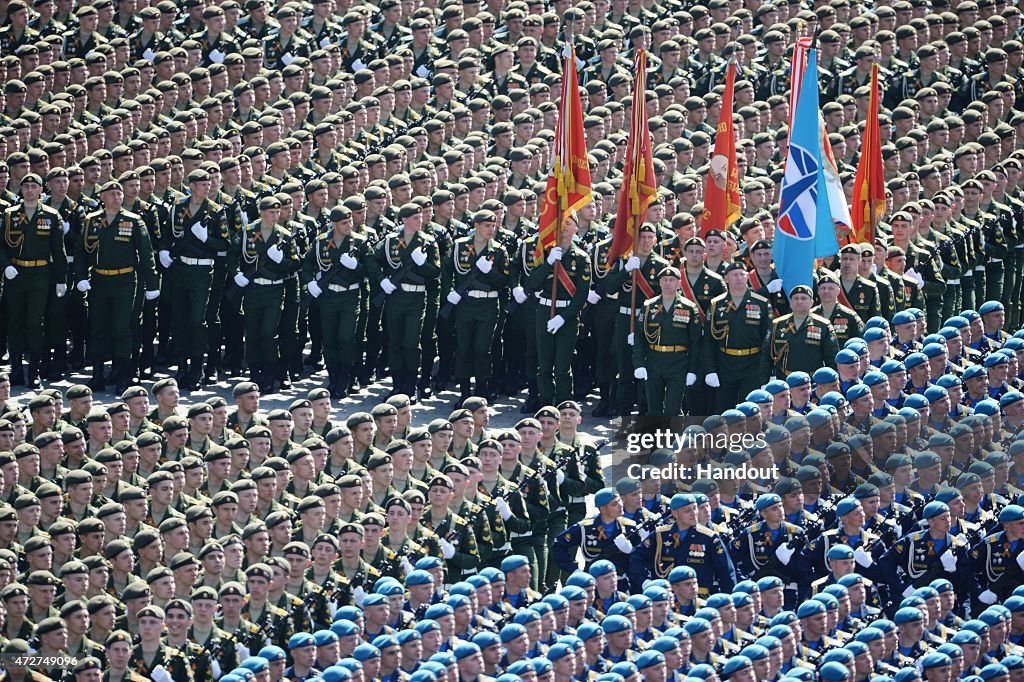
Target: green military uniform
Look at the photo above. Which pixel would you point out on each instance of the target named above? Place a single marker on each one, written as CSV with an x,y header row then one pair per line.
x,y
861,296
735,334
799,346
476,306
111,254
405,308
172,660
337,265
668,346
845,322
555,348
264,293
33,250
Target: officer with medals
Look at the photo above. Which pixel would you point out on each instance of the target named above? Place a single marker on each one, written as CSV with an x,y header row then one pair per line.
x,y
772,547
684,543
799,341
846,323
667,346
602,536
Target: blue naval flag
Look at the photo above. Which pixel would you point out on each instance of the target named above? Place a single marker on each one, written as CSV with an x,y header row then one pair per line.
x,y
805,230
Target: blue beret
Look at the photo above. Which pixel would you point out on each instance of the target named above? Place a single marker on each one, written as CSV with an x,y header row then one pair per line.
x,y
874,334
322,637
736,664
587,630
435,611
832,399
1013,343
833,671
869,634
335,673
664,644
681,573
973,372
933,350
892,367
914,359
644,660
604,496
846,505
767,500
1015,603
614,624
374,599
755,652
847,357
467,649
696,626
926,459
987,407
625,486
513,561
558,651
601,567
759,395
408,635
933,509
825,375
365,652
818,417
934,393
749,409
299,640
775,434
810,608
741,599
485,638
680,500
993,670
624,669
428,562
876,321
343,628
948,333
512,631
272,653
580,579
797,379
957,322
573,593
856,648
990,307
775,387
948,381
993,359
1009,398
257,664
524,616
384,641
903,317
857,391
769,582
839,552
908,614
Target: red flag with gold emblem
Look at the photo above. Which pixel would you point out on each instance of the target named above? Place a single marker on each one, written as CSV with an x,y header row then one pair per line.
x,y
869,184
722,189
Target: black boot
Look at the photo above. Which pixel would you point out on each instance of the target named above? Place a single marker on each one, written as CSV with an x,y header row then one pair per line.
x,y
181,376
97,383
17,370
58,363
484,390
32,378
339,381
465,391
121,376
603,408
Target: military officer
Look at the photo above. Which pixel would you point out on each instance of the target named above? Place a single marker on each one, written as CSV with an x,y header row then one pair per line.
x,y
737,324
400,268
606,535
113,252
771,547
471,280
333,272
800,341
32,256
684,543
667,346
924,555
565,274
265,256
846,323
856,292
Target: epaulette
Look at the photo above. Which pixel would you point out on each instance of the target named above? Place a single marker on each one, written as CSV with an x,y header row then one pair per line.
x,y
704,530
819,318
756,297
625,522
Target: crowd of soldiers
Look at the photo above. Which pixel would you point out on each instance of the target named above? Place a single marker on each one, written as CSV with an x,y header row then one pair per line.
x,y
264,192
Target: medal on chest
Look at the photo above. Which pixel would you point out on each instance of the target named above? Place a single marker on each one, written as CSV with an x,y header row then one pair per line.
x,y
753,312
813,333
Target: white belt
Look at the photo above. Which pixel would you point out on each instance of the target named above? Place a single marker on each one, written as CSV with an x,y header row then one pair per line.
x,y
626,310
343,287
71,259
477,293
952,281
1019,246
790,586
577,500
558,304
613,297
222,254
513,536
267,282
414,288
995,260
979,268
196,261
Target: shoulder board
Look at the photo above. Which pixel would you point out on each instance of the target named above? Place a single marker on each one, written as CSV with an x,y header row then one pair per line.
x,y
459,521
758,297
779,321
589,521
626,522
704,530
285,232
820,319
665,528
214,206
722,297
372,571
129,214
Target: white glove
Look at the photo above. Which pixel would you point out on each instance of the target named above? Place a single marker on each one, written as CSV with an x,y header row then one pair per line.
x,y
555,255
10,272
774,286
559,477
1020,560
623,543
712,380
948,560
358,595
275,253
916,276
863,558
83,286
152,295
348,261
200,231
633,263
555,323
484,264
387,286
593,297
630,339
909,592
988,597
165,259
418,257
502,506
640,373
519,294
314,289
160,674
241,280
407,566
215,668
454,297
67,227
784,552
644,533
691,378
447,549
62,289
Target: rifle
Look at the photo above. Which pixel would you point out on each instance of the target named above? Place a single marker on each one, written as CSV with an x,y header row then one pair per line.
x,y
325,280
258,270
447,308
647,526
397,278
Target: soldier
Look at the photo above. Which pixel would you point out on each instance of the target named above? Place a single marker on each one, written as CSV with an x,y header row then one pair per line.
x,y
564,273
921,556
855,292
800,341
605,535
668,346
737,326
113,252
153,659
266,255
32,256
996,559
455,536
846,323
333,271
198,231
477,270
772,547
401,266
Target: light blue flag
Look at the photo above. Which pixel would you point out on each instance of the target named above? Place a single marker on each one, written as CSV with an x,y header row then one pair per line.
x,y
805,230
